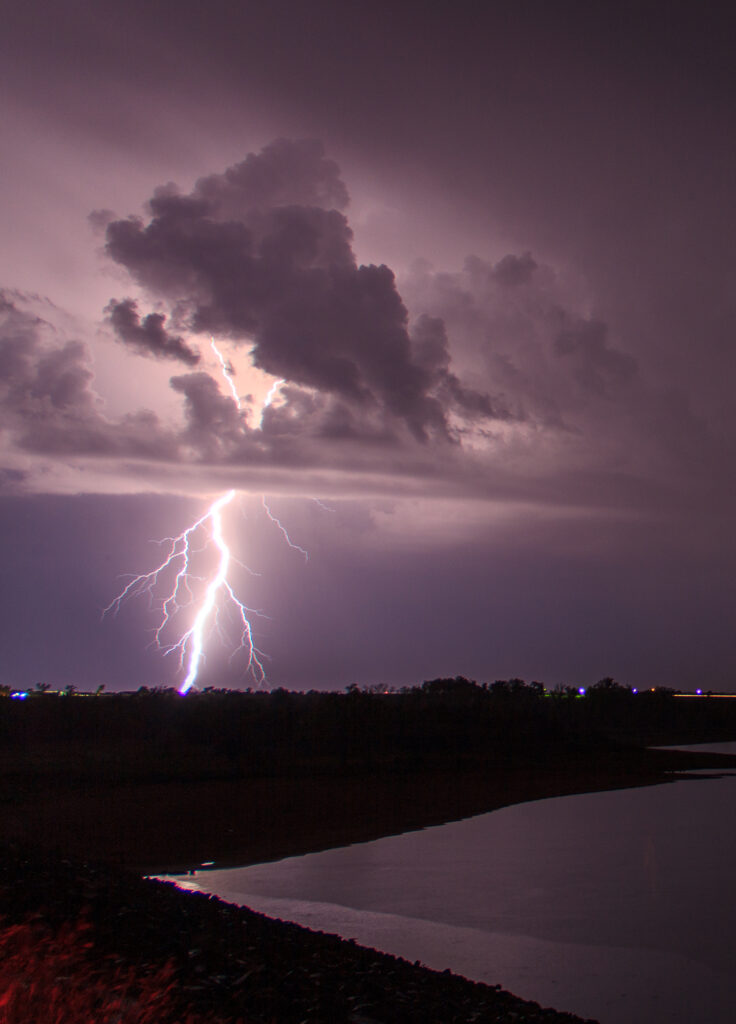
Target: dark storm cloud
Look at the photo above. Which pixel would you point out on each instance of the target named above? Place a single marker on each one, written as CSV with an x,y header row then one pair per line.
x,y
47,402
214,421
597,365
49,411
147,335
286,172
430,342
514,270
516,322
259,254
371,398
37,379
552,365
591,426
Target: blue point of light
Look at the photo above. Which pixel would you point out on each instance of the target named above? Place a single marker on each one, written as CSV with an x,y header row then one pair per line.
x,y
19,695
581,691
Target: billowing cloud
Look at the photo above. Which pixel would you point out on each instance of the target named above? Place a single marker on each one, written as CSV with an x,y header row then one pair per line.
x,y
514,270
47,403
496,380
147,335
516,323
286,172
36,379
54,426
598,367
214,422
262,255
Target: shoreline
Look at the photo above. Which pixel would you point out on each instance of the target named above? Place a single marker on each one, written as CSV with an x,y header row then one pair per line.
x,y
176,826
229,964
223,964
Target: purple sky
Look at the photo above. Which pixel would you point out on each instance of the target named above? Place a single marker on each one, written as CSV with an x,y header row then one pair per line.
x,y
489,251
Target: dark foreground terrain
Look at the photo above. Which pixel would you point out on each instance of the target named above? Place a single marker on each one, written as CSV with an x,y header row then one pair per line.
x,y
158,783
160,827
221,963
147,784
107,946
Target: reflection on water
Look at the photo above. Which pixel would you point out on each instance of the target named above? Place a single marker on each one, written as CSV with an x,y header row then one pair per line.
x,y
706,748
615,905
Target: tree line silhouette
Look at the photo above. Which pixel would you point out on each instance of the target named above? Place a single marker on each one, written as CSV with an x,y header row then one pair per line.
x,y
448,722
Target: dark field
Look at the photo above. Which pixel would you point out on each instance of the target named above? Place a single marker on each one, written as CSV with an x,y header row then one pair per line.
x,y
157,783
151,783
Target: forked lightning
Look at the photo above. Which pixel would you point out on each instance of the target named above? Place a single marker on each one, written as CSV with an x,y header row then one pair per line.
x,y
218,591
190,645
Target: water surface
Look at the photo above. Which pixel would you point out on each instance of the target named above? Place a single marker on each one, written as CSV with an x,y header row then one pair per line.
x,y
617,905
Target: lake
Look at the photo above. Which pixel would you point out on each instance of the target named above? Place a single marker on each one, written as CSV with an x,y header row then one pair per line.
x,y
619,905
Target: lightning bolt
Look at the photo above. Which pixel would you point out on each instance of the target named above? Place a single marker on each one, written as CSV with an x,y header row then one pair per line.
x,y
218,590
217,583
321,504
190,645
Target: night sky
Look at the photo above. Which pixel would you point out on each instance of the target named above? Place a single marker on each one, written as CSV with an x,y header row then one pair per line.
x,y
486,255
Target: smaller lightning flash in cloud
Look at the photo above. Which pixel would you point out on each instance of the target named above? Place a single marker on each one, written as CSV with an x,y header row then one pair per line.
x,y
218,592
227,372
272,392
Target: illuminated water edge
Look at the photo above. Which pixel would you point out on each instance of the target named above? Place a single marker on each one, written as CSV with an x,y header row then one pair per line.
x,y
617,975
